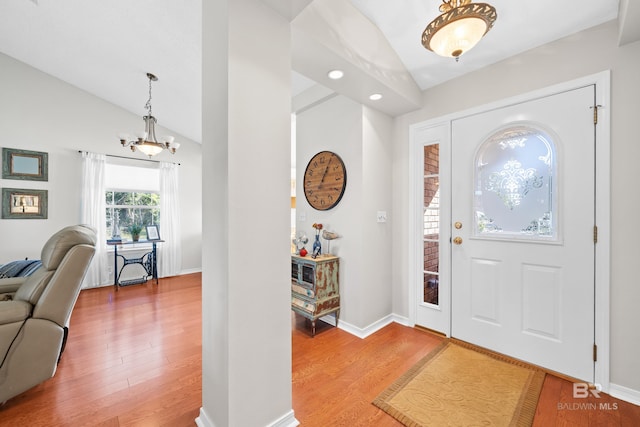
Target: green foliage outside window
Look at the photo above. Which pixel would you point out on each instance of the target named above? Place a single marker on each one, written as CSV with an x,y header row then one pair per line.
x,y
128,208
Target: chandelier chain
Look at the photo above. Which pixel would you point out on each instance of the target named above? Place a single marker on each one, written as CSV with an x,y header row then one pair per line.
x,y
148,104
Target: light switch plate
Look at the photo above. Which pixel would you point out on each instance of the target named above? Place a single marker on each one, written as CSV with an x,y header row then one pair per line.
x,y
382,216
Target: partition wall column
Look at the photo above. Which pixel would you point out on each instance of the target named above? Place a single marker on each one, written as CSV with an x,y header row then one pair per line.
x,y
246,343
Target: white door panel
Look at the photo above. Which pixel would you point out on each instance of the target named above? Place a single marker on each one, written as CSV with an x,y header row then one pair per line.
x,y
527,292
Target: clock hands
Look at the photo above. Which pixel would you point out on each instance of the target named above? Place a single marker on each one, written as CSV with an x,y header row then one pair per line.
x,y
325,172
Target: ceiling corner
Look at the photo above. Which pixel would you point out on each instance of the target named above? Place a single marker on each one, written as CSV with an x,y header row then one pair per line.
x,y
289,9
628,22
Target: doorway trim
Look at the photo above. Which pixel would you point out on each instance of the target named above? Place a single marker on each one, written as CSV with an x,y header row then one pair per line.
x,y
417,131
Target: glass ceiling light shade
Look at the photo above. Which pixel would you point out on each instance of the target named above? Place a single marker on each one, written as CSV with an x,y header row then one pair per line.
x,y
146,141
459,28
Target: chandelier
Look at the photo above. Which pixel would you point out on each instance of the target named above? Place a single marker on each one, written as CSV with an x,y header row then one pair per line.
x,y
459,28
146,141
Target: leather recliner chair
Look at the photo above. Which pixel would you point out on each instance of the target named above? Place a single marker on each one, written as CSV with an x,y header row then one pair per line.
x,y
34,323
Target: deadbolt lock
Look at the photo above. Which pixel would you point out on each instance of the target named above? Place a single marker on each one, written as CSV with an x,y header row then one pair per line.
x,y
458,225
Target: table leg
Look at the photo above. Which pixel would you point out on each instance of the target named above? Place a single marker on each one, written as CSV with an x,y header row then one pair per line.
x,y
154,263
115,266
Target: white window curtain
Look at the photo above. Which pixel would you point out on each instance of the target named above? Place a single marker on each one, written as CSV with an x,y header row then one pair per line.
x,y
169,252
94,214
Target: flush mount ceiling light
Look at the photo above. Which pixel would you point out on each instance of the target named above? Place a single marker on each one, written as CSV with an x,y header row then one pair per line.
x,y
146,141
375,96
459,28
335,74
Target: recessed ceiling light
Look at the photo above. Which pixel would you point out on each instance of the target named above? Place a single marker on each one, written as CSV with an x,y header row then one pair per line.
x,y
375,97
335,74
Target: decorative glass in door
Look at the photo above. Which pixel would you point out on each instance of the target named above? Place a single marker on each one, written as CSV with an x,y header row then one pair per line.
x,y
515,185
431,221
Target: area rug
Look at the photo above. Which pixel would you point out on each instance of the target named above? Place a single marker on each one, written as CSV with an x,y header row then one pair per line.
x,y
460,385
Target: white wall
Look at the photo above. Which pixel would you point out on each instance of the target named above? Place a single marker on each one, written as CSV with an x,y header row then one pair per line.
x,y
377,148
42,113
362,138
576,56
335,125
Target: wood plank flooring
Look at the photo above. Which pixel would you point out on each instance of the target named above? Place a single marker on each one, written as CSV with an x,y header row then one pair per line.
x,y
134,359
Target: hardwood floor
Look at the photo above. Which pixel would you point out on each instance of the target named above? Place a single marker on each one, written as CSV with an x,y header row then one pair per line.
x,y
346,373
134,359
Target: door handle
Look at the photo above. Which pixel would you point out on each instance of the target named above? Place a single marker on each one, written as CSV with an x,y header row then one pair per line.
x,y
457,240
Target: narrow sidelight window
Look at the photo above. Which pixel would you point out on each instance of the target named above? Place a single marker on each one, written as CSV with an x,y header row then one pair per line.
x,y
431,228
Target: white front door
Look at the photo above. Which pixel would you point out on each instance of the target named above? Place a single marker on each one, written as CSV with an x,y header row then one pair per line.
x,y
522,253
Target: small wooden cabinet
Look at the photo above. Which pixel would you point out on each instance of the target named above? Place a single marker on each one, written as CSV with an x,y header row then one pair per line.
x,y
315,290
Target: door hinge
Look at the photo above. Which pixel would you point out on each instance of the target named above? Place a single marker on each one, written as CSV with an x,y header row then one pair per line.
x,y
595,234
595,113
595,352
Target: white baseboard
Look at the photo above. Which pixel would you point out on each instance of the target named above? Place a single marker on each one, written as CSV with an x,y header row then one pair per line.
x,y
203,420
373,327
190,271
287,420
624,393
404,321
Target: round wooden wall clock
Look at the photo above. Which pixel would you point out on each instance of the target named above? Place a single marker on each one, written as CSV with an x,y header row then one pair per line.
x,y
325,180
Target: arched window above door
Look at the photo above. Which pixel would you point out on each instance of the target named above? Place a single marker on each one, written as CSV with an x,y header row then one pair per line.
x,y
516,185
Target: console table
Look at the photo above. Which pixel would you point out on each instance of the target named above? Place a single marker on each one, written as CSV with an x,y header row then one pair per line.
x,y
149,261
315,289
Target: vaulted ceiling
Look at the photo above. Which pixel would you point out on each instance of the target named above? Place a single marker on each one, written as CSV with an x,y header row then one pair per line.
x,y
106,48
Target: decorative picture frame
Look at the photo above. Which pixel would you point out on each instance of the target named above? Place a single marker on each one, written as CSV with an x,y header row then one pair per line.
x,y
21,203
25,165
152,232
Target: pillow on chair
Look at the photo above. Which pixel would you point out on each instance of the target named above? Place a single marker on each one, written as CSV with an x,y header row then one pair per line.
x,y
20,268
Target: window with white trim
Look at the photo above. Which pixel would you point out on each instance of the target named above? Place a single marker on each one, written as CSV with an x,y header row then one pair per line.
x,y
132,197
